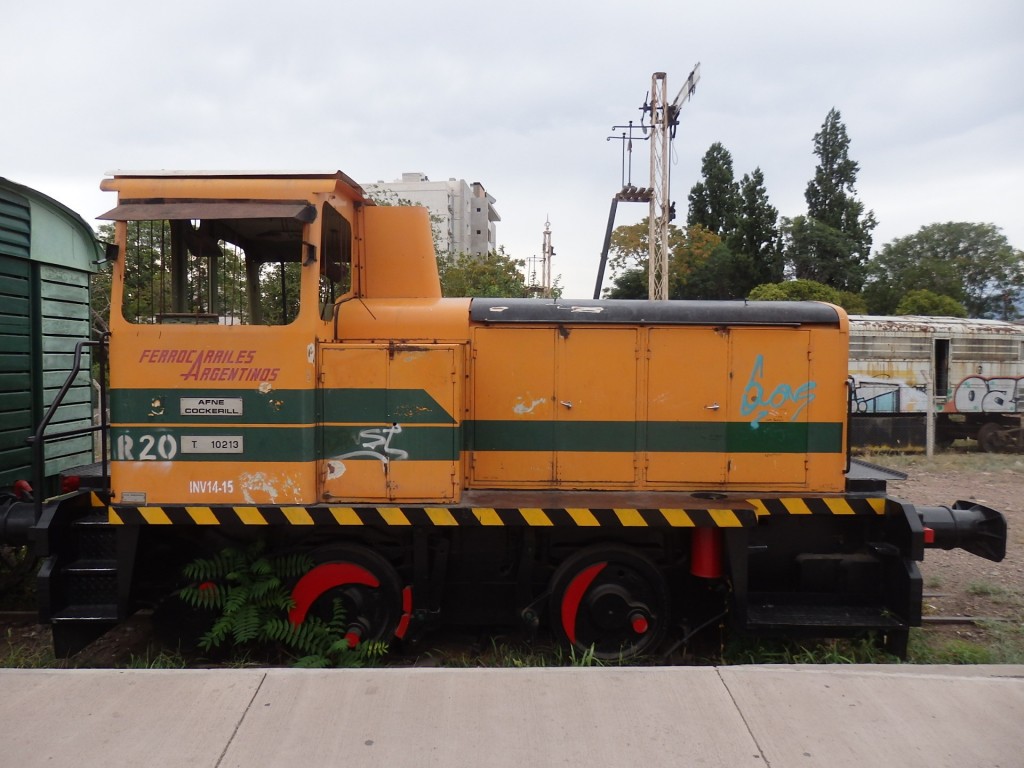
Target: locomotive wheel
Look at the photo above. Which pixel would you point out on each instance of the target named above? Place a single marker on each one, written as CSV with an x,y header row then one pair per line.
x,y
994,437
369,588
611,599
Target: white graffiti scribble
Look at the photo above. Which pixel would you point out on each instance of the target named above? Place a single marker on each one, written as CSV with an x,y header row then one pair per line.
x,y
976,394
376,444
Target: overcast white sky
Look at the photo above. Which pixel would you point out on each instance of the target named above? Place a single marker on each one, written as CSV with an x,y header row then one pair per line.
x,y
521,98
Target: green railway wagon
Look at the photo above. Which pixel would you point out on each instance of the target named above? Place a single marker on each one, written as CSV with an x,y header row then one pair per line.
x,y
47,254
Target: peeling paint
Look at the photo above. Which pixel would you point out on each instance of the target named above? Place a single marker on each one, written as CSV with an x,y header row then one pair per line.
x,y
311,354
265,387
263,488
257,482
522,408
411,411
334,469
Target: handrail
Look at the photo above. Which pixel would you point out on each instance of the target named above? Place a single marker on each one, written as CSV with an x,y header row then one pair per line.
x,y
38,441
851,388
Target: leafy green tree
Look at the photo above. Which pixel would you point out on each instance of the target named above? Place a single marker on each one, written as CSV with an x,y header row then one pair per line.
x,y
715,201
692,269
832,242
629,249
629,284
756,236
925,302
279,292
494,274
147,290
808,290
974,264
742,217
99,287
721,274
690,261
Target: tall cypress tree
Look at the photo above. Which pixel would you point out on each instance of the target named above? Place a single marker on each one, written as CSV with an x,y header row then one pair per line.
x,y
714,202
832,242
756,236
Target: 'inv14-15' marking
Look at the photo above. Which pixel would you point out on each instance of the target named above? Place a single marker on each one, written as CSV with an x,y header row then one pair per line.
x,y
211,486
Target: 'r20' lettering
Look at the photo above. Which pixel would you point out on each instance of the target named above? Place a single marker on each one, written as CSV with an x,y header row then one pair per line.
x,y
151,448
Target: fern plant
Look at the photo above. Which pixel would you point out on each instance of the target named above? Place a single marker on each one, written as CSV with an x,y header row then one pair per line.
x,y
248,589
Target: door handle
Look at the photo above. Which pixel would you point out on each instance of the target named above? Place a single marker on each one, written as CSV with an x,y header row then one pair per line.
x,y
712,407
566,403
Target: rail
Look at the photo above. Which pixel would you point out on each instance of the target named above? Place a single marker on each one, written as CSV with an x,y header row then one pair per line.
x,y
39,440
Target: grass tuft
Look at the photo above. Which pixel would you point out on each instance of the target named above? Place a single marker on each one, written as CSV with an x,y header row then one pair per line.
x,y
751,650
159,660
987,589
19,655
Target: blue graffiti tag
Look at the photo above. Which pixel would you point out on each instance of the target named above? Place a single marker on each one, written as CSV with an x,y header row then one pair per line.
x,y
754,402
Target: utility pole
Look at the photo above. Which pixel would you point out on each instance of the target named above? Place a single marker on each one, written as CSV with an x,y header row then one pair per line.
x,y
542,288
547,252
664,119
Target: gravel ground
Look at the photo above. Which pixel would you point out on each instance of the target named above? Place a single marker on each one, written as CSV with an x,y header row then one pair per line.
x,y
957,583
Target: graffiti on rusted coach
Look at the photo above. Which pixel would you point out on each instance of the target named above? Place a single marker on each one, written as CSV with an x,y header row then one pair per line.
x,y
970,373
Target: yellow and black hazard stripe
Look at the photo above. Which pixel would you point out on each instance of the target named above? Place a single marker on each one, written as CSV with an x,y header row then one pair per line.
x,y
433,516
819,505
743,513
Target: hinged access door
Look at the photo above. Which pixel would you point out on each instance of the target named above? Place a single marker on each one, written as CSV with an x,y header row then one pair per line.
x,y
769,432
513,432
687,405
596,407
554,407
391,416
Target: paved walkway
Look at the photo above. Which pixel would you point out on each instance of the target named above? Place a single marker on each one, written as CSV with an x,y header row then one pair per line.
x,y
772,716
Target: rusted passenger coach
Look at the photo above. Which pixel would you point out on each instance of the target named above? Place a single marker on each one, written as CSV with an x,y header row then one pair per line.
x,y
971,369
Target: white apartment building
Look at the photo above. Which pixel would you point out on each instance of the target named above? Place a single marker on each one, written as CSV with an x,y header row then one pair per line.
x,y
463,214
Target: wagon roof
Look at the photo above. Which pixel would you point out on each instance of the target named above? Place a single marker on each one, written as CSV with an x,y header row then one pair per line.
x,y
932,325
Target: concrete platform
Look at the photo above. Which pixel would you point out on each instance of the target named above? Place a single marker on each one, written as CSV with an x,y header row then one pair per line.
x,y
772,716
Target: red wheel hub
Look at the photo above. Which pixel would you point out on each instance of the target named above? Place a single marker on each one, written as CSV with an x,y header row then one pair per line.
x,y
322,578
574,596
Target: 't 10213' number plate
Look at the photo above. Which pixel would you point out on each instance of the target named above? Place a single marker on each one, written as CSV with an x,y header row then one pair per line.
x,y
212,444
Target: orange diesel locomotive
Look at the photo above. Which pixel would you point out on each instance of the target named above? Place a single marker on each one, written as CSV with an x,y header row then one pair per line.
x,y
282,366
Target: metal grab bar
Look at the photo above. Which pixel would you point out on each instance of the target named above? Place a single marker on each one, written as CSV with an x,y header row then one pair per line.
x,y
38,441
